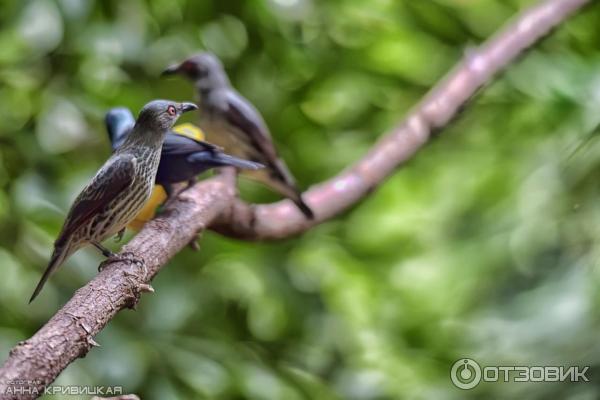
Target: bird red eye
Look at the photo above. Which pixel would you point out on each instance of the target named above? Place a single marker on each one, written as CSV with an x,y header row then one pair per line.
x,y
189,66
171,110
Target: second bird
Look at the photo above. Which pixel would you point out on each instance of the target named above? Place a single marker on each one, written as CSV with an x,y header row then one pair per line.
x,y
231,121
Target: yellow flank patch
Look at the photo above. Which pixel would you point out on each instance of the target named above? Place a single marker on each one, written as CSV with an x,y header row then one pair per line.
x,y
147,213
190,130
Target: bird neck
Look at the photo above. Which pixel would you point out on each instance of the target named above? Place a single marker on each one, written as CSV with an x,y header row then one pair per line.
x,y
207,84
141,137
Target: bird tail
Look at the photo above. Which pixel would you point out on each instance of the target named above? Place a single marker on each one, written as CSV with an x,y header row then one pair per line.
x,y
289,188
278,177
58,257
227,160
303,207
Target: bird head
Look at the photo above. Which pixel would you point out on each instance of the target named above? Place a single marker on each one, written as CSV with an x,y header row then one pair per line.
x,y
204,68
161,115
119,121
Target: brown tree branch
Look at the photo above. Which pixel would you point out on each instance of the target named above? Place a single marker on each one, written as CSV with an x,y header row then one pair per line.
x,y
280,220
36,362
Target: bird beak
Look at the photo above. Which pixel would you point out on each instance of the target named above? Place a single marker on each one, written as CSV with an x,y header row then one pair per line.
x,y
171,70
185,107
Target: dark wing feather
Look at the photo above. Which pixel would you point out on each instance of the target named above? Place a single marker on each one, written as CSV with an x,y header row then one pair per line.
x,y
114,177
176,144
243,116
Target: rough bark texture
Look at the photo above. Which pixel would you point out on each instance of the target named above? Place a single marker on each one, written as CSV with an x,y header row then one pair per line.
x,y
69,334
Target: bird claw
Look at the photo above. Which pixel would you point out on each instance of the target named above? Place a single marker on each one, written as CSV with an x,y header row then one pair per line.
x,y
119,235
127,257
106,263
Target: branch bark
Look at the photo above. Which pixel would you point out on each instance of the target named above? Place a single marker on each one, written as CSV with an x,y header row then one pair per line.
x,y
35,363
69,334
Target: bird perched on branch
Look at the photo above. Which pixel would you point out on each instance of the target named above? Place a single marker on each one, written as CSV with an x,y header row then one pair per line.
x,y
119,189
231,121
184,156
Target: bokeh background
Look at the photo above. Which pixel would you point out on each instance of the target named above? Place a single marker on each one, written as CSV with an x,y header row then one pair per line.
x,y
483,246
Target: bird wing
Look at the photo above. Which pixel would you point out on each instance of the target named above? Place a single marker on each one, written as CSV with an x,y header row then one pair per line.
x,y
176,144
110,181
244,117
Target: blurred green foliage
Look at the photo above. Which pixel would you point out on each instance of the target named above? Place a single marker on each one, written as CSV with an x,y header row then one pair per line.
x,y
484,246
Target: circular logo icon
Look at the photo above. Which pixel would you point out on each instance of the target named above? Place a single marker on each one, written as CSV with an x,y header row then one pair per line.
x,y
465,374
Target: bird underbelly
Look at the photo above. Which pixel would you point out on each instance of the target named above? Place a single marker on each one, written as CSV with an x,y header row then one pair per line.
x,y
118,213
149,210
229,139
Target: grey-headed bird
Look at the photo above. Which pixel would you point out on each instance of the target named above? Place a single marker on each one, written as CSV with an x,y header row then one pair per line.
x,y
119,189
232,122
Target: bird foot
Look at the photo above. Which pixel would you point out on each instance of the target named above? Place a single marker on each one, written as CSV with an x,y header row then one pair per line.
x,y
127,257
119,235
176,192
